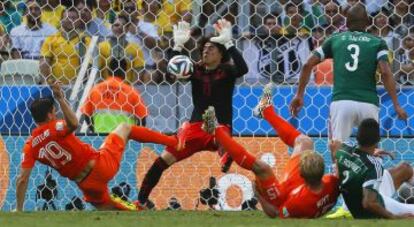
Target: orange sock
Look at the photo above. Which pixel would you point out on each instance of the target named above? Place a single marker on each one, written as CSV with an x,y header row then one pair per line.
x,y
145,135
286,131
242,157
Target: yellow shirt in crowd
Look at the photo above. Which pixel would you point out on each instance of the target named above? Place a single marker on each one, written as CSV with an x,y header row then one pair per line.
x,y
134,57
65,55
169,13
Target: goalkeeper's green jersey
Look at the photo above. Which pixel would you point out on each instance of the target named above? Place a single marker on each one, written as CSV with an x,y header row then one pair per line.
x,y
355,56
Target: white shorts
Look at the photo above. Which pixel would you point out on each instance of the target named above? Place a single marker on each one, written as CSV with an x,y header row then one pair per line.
x,y
347,114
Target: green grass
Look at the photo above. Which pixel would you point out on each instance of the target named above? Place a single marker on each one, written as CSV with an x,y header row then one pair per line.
x,y
174,218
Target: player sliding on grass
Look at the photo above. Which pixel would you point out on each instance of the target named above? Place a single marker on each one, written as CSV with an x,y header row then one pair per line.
x,y
304,191
53,143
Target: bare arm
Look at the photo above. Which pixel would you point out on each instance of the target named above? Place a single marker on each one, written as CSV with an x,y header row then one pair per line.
x,y
69,115
305,74
45,67
21,187
389,84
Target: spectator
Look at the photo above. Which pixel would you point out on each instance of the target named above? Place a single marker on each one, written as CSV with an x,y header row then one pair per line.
x,y
9,16
93,26
405,60
62,53
402,17
293,22
335,20
27,39
260,53
4,45
52,12
105,12
145,34
118,47
382,28
171,12
314,15
113,102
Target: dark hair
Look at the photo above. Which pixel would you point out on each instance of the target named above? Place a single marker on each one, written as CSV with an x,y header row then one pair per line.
x,y
40,107
224,53
117,67
368,133
269,16
123,17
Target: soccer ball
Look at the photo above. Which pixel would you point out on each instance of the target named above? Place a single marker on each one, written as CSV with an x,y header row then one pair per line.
x,y
180,66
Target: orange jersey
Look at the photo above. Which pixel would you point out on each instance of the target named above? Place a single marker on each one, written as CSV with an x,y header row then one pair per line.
x,y
301,202
52,144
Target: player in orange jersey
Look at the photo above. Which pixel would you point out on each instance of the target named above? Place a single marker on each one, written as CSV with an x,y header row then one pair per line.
x,y
304,191
54,143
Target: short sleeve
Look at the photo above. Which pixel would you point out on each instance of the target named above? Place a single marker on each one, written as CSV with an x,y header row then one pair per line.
x,y
324,51
46,50
382,54
28,160
184,5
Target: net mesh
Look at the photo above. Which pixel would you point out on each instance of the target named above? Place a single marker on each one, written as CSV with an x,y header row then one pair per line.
x,y
51,40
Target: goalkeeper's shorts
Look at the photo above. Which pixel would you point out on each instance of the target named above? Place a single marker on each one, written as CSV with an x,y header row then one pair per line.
x,y
95,185
196,139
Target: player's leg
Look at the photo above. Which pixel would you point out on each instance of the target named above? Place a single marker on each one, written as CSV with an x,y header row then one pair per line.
x,y
287,132
192,141
266,182
143,135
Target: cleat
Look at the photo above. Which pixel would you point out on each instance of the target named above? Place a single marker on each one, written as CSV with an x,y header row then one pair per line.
x,y
340,213
209,120
139,206
265,101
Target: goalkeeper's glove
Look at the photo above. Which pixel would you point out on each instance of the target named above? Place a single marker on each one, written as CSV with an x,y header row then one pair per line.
x,y
223,27
181,34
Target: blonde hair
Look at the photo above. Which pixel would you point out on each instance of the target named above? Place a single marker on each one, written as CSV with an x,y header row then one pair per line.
x,y
312,167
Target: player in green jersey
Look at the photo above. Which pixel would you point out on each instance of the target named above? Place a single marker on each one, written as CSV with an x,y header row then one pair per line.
x,y
356,57
366,186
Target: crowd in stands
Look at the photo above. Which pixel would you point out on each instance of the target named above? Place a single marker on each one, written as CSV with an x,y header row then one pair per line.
x,y
276,40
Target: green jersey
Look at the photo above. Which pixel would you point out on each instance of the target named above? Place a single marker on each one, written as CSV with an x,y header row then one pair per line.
x,y
355,59
358,170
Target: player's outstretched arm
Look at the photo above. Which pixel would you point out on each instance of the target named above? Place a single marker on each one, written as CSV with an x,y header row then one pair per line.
x,y
21,187
305,74
389,85
70,116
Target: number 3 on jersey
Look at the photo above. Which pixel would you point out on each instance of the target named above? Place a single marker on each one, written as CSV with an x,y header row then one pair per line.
x,y
55,154
354,49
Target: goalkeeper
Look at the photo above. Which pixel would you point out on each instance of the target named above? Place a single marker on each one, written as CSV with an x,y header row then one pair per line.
x,y
53,143
212,84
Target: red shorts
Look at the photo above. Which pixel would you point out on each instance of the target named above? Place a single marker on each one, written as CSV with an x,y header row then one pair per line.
x,y
196,139
95,185
276,191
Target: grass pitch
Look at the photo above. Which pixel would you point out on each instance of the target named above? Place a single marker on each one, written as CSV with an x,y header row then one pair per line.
x,y
174,218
